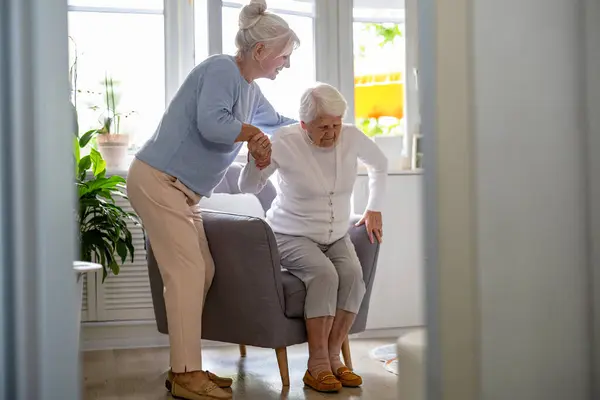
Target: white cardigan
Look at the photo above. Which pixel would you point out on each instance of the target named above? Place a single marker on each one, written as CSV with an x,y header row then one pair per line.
x,y
304,205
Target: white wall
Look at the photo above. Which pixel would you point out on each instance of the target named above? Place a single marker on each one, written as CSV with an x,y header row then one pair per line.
x,y
397,296
515,68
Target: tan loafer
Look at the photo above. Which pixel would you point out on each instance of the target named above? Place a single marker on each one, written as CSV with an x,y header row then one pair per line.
x,y
207,391
348,378
221,382
325,382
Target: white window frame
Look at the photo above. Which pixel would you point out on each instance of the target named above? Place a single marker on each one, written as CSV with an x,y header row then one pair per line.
x,y
334,54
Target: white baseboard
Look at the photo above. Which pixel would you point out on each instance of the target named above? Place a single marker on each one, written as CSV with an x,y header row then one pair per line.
x,y
383,333
143,334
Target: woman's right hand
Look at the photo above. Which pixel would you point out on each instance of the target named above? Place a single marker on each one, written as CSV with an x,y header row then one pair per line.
x,y
248,133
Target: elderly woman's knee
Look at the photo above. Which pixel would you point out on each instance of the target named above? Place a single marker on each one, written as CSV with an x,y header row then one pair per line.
x,y
351,273
327,275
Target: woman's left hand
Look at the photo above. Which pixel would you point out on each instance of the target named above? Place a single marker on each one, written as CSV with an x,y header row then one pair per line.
x,y
373,222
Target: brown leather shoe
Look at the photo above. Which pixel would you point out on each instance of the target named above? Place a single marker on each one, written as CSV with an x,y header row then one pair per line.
x,y
206,391
348,378
221,382
325,382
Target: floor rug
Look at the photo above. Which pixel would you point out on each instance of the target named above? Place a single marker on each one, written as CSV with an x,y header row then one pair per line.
x,y
387,355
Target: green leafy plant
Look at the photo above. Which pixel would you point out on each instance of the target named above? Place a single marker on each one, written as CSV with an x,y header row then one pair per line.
x,y
104,235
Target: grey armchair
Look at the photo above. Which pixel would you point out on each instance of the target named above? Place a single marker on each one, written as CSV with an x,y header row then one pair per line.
x,y
263,304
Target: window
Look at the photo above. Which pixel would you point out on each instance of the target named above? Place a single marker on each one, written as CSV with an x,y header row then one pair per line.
x,y
122,40
284,92
380,65
378,77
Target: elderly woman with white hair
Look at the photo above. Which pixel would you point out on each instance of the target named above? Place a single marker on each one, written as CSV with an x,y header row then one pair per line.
x,y
218,106
316,161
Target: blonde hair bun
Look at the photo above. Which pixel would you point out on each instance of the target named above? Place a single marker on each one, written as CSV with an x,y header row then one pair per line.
x,y
252,13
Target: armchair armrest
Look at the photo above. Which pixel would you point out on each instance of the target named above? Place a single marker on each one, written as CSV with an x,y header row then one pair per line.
x,y
367,253
247,292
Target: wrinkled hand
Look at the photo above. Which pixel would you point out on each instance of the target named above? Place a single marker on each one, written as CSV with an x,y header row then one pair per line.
x,y
260,149
373,222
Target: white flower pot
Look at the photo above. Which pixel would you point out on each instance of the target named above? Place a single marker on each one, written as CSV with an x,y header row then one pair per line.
x,y
81,268
114,150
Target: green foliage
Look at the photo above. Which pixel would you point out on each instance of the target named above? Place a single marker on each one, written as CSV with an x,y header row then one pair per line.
x,y
387,32
104,235
373,127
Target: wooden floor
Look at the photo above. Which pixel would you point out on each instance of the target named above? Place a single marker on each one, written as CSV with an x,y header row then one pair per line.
x,y
139,374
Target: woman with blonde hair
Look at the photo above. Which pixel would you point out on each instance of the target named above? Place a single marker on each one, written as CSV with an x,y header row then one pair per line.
x,y
218,106
316,161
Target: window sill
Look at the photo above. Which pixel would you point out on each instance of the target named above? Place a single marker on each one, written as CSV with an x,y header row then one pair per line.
x,y
362,171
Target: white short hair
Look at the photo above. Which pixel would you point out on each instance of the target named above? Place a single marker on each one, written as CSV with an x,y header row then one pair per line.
x,y
322,99
257,25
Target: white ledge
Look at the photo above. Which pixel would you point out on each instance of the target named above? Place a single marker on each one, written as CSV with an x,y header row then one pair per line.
x,y
83,267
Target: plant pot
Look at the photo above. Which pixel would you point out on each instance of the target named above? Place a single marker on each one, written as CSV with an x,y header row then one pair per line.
x,y
114,150
81,268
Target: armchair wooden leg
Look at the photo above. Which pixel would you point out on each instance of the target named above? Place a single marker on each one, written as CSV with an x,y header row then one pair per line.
x,y
346,353
242,350
282,361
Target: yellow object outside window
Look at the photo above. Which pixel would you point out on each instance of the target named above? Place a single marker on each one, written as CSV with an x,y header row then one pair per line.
x,y
380,95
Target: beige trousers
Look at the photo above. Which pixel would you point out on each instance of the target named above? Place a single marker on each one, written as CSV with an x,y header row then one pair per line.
x,y
173,222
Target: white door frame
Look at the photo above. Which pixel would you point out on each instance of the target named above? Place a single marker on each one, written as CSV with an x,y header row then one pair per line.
x,y
452,294
39,357
591,34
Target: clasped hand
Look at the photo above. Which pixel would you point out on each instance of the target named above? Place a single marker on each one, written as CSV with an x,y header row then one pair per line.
x,y
260,149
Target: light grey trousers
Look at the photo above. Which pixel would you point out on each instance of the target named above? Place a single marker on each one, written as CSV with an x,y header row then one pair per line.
x,y
331,273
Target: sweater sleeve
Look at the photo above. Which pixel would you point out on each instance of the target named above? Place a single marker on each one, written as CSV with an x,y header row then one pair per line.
x,y
377,166
252,179
218,90
266,118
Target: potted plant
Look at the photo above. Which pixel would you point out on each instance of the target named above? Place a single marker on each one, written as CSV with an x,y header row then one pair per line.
x,y
112,142
104,234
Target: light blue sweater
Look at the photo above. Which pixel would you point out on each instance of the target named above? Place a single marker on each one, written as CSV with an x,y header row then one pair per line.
x,y
194,141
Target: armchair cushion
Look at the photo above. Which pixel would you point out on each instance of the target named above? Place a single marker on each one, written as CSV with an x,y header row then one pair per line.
x,y
294,292
241,204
